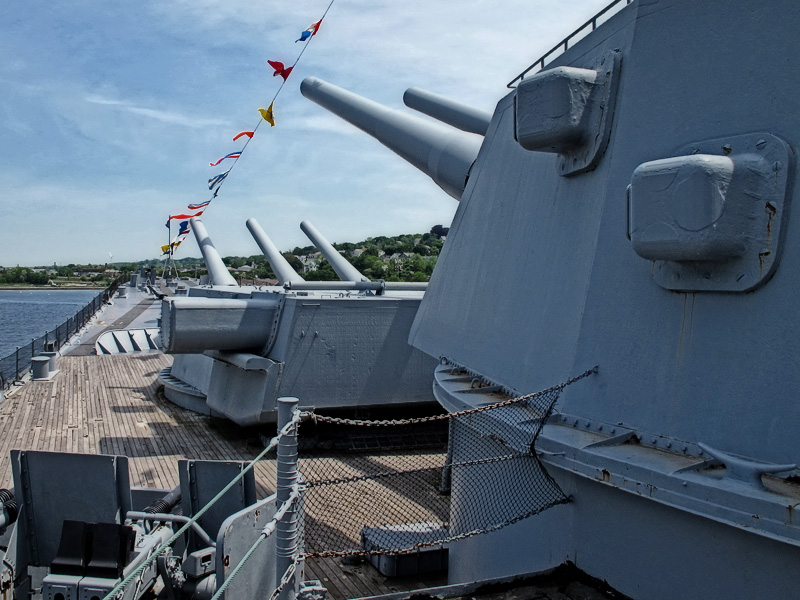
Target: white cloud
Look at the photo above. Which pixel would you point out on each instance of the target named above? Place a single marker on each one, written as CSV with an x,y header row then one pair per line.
x,y
115,122
164,116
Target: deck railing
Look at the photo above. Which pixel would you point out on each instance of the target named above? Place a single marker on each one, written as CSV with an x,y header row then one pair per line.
x,y
564,44
17,364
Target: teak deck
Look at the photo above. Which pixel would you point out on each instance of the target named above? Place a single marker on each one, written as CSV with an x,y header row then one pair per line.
x,y
111,405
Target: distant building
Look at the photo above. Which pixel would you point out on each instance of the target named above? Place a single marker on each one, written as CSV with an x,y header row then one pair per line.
x,y
310,261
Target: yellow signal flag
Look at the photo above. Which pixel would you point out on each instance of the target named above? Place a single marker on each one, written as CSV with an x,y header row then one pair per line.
x,y
267,114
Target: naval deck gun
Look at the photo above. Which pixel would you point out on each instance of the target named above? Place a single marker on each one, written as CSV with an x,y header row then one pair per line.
x,y
445,154
217,271
280,266
238,349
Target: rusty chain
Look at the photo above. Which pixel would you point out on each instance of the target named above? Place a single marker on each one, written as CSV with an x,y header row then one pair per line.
x,y
551,394
383,474
288,576
420,545
388,422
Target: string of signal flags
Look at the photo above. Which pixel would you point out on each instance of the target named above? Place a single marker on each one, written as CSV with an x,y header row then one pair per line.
x,y
267,116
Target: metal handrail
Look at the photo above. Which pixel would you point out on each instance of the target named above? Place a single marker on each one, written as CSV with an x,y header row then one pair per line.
x,y
563,45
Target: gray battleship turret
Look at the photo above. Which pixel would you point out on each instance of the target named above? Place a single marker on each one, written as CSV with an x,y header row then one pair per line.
x,y
238,349
634,197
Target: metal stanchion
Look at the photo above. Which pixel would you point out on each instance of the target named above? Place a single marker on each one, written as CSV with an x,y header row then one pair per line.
x,y
287,529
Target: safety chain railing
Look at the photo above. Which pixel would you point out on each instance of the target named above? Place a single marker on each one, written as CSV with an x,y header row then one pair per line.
x,y
563,45
15,365
447,416
290,492
267,531
506,433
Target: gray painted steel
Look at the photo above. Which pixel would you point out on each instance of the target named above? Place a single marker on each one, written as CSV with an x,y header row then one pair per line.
x,y
673,451
53,357
340,264
288,538
694,216
191,325
460,116
48,491
378,286
443,153
333,344
577,123
329,351
40,367
201,481
236,536
332,348
51,487
123,341
586,296
280,266
216,268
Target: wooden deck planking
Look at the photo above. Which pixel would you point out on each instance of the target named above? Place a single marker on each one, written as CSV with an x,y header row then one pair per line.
x,y
362,580
110,405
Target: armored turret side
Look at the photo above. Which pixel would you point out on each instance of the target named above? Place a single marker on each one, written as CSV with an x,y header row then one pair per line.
x,y
631,207
538,266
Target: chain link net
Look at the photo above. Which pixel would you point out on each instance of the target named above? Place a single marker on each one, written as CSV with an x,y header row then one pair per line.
x,y
383,487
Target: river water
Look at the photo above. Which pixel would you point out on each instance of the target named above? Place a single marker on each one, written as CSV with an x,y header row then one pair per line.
x,y
27,314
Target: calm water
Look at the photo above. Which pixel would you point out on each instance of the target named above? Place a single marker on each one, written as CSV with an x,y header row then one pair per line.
x,y
26,314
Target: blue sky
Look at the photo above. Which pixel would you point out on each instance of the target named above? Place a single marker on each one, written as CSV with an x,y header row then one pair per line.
x,y
110,113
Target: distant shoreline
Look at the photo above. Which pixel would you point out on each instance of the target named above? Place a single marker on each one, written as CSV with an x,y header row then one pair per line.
x,y
51,287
